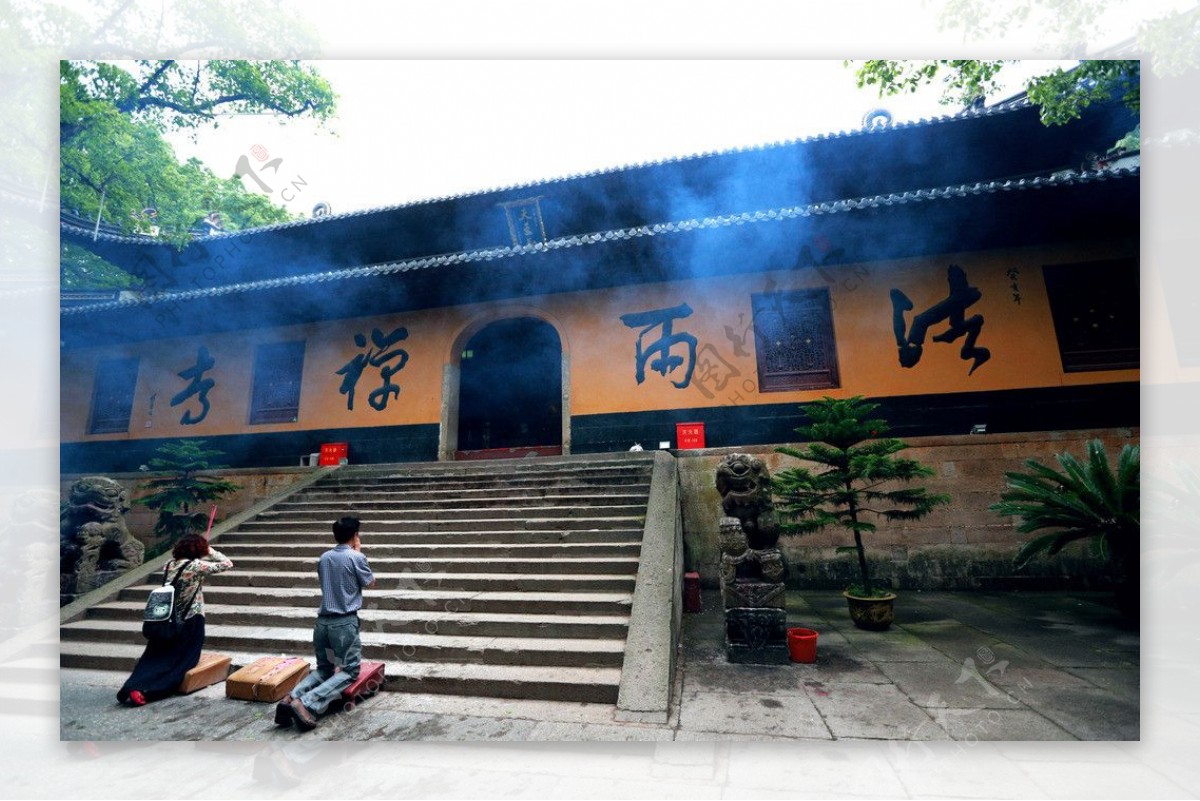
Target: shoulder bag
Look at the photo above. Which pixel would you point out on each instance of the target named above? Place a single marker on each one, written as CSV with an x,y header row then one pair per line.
x,y
163,617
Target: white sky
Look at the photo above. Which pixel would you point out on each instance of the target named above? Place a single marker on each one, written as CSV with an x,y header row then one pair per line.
x,y
414,130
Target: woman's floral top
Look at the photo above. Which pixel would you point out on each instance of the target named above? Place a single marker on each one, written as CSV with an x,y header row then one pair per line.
x,y
193,578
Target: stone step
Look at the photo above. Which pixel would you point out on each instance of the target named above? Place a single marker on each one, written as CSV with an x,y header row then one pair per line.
x,y
488,582
299,536
457,500
377,645
415,484
31,694
617,565
510,579
519,465
463,622
510,603
39,670
576,684
396,525
425,550
478,497
387,512
508,469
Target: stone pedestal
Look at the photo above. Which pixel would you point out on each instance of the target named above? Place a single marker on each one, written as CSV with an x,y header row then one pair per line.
x,y
756,636
753,593
73,586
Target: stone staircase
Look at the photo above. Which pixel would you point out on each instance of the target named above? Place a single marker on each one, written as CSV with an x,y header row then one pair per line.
x,y
507,579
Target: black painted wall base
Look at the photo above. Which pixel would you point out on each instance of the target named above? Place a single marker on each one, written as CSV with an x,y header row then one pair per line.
x,y
1043,409
262,449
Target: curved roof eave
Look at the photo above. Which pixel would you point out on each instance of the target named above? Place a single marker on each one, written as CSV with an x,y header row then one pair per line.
x,y
850,205
1004,107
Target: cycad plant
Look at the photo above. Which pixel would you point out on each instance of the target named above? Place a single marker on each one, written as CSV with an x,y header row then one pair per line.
x,y
1087,500
180,495
861,479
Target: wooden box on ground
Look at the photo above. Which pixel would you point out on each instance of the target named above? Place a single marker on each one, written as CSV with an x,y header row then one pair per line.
x,y
211,669
267,679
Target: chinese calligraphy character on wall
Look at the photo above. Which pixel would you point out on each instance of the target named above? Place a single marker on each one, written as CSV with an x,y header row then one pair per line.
x,y
376,355
952,308
665,361
199,386
1014,274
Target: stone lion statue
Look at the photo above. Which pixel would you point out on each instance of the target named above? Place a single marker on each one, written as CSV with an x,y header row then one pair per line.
x,y
744,484
93,538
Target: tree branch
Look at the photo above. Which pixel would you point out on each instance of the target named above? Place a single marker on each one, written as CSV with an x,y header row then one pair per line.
x,y
153,79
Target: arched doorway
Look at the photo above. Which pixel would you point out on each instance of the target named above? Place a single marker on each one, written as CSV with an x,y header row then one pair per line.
x,y
510,391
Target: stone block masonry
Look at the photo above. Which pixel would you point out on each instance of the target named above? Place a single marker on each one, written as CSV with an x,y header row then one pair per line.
x,y
958,546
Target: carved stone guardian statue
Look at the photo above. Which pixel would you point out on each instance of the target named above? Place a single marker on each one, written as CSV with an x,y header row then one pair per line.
x,y
752,566
95,546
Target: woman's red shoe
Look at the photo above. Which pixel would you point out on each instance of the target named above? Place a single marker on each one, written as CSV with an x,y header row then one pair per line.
x,y
136,698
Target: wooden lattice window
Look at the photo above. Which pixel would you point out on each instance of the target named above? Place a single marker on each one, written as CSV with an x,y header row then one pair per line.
x,y
1095,310
277,371
793,339
112,396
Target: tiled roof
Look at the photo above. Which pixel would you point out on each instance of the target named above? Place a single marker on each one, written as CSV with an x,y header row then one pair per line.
x,y
1058,179
1005,107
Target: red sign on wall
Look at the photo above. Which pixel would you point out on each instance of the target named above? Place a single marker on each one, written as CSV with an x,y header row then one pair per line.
x,y
333,452
689,435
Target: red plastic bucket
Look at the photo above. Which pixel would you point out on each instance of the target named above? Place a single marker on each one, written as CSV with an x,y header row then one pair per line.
x,y
802,645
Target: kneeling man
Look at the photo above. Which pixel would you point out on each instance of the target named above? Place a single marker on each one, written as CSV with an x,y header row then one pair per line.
x,y
344,573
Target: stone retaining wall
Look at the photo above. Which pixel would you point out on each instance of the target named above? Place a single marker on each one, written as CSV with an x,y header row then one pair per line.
x,y
958,546
256,484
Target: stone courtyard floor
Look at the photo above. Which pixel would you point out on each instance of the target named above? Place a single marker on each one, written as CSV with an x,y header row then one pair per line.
x,y
967,667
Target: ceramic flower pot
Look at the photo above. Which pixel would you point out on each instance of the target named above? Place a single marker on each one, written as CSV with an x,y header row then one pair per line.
x,y
872,614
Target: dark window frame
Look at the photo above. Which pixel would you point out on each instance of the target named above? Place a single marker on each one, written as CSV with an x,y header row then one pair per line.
x,y
109,370
828,376
1067,286
269,358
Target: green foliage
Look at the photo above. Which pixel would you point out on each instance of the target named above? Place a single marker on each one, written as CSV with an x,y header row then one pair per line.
x,y
180,495
963,80
1129,142
82,269
1170,40
1061,95
862,476
115,162
1086,500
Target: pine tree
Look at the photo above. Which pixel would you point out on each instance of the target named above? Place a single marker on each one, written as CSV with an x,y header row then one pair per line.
x,y
180,494
861,477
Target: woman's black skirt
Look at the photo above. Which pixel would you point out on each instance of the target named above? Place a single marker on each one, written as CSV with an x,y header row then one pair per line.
x,y
163,664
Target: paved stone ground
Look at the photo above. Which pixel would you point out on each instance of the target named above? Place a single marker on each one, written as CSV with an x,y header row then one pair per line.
x,y
956,666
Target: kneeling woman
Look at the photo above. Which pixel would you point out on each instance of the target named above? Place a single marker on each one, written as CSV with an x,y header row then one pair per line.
x,y
164,662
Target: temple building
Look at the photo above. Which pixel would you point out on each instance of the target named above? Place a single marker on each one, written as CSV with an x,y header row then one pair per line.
x,y
976,272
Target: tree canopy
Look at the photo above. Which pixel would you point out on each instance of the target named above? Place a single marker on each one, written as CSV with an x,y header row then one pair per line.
x,y
116,165
1060,95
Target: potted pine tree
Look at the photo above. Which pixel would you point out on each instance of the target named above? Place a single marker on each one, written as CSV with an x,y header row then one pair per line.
x,y
1088,501
183,489
862,478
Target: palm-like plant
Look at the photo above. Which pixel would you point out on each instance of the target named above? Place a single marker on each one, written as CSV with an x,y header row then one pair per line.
x,y
861,477
180,495
1086,500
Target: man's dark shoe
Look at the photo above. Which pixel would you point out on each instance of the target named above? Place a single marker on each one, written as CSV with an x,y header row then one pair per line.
x,y
283,712
304,719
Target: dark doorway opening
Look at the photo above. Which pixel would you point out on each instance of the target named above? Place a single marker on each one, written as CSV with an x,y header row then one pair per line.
x,y
510,391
